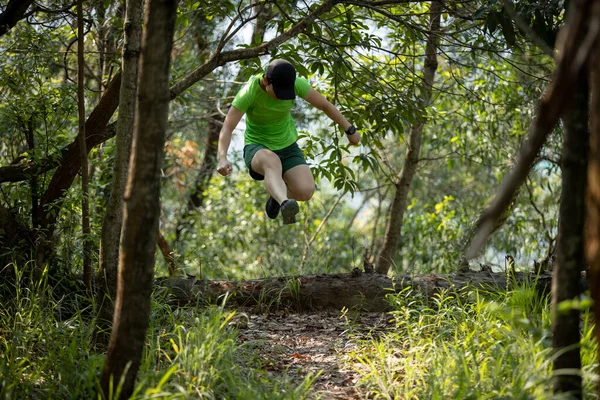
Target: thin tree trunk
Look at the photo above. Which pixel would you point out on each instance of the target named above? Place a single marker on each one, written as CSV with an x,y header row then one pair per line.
x,y
404,180
310,241
362,205
85,207
106,43
167,253
570,251
208,166
136,264
33,182
377,239
592,245
101,44
112,222
70,162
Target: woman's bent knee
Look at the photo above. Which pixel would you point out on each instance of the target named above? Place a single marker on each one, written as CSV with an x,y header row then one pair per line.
x,y
304,193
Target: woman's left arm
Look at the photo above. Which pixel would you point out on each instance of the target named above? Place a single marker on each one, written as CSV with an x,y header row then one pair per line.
x,y
319,101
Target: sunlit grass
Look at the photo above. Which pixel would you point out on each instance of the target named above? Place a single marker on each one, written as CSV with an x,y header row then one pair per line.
x,y
467,346
190,353
42,354
201,352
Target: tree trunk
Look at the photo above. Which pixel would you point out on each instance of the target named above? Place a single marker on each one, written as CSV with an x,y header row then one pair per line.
x,y
167,253
404,180
70,163
100,11
132,309
357,290
207,169
376,239
308,242
33,182
592,245
570,252
112,222
85,206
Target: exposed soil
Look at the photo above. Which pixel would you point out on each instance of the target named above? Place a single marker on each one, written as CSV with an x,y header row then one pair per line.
x,y
300,344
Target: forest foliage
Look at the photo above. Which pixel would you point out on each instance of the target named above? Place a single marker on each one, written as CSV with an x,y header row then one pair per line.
x,y
483,103
494,62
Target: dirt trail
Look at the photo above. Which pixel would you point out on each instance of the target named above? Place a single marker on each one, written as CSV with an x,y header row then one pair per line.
x,y
299,344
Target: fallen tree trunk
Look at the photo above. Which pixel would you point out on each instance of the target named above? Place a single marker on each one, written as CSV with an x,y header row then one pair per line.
x,y
356,290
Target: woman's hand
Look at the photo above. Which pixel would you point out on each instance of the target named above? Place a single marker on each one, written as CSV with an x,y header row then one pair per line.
x,y
224,167
354,139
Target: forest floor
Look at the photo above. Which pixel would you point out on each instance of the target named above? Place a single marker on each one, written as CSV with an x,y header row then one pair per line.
x,y
317,343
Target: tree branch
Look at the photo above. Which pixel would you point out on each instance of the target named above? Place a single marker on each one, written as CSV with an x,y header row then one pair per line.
x,y
14,12
575,49
219,59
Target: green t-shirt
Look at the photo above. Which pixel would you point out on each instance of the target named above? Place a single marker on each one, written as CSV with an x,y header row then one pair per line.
x,y
268,121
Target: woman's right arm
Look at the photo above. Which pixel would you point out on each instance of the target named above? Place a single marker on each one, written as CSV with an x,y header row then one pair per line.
x,y
231,120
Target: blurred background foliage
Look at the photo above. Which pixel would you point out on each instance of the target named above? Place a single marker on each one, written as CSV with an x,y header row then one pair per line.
x,y
368,63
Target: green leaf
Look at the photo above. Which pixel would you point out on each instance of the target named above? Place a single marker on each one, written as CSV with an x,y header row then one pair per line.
x,y
491,22
508,29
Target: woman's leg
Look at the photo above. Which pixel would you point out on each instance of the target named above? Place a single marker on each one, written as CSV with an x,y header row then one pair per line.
x,y
300,182
268,164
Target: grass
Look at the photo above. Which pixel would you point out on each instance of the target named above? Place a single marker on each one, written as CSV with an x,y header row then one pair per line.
x,y
43,355
467,346
190,353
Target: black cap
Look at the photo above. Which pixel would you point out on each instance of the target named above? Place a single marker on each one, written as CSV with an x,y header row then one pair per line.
x,y
282,75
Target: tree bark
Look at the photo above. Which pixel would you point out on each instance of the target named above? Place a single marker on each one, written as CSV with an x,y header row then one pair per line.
x,y
13,13
132,309
33,182
167,253
112,223
404,180
570,251
358,290
592,232
85,207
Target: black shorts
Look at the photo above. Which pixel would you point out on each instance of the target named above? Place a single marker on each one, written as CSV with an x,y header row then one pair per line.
x,y
290,157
